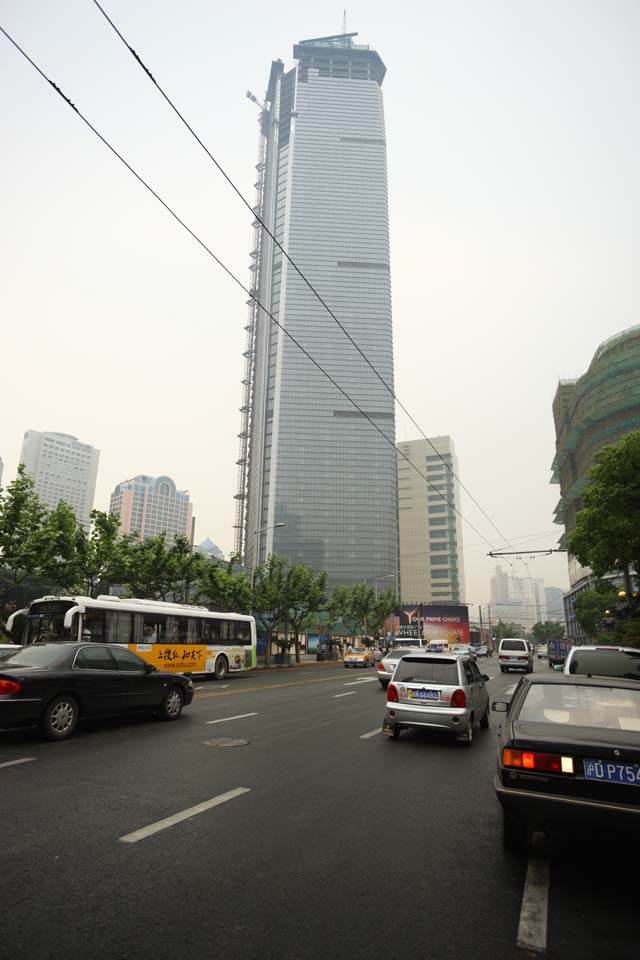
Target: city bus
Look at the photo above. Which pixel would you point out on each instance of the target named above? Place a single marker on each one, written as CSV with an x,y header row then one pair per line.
x,y
171,636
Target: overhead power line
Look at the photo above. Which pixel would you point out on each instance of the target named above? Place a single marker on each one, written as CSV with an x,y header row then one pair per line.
x,y
257,216
229,273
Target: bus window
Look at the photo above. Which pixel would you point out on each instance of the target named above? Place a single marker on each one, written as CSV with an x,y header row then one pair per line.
x,y
194,628
211,631
119,627
154,628
93,626
178,630
243,631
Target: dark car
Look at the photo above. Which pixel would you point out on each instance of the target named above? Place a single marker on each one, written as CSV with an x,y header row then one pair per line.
x,y
569,757
53,685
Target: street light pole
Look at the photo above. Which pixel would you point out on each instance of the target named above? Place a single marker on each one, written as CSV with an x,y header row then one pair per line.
x,y
255,555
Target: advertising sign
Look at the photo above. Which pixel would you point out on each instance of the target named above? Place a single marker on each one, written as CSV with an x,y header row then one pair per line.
x,y
188,658
435,621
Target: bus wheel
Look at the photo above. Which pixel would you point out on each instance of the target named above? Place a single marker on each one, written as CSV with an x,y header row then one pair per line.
x,y
60,718
171,706
222,666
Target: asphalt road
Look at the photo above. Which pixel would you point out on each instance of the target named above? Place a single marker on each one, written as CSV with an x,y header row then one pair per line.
x,y
324,840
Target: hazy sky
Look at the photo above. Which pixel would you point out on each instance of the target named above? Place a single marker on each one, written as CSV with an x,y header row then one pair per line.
x,y
514,192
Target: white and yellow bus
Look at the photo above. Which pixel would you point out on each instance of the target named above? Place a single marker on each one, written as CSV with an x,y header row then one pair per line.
x,y
171,636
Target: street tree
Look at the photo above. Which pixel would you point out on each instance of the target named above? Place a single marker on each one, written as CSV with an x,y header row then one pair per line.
x,y
183,567
103,556
22,534
339,610
306,595
59,559
507,629
592,607
549,630
384,605
222,587
362,605
270,601
606,536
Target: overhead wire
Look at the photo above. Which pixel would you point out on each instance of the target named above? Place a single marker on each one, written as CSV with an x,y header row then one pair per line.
x,y
227,270
258,217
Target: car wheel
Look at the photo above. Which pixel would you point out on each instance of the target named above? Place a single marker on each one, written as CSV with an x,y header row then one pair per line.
x,y
172,704
515,836
60,718
221,668
502,669
396,733
467,736
486,720
384,684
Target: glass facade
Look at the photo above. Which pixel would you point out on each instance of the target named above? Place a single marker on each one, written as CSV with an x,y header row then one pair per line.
x,y
315,463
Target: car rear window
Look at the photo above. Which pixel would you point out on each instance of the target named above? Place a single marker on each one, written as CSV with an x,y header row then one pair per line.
x,y
513,645
606,663
427,671
396,654
574,705
37,656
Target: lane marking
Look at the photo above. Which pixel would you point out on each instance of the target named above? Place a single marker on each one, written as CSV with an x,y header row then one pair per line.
x,y
240,716
336,696
159,825
372,733
354,683
267,686
14,763
532,929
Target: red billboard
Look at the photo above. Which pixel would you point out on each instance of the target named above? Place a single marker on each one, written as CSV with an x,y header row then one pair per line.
x,y
435,621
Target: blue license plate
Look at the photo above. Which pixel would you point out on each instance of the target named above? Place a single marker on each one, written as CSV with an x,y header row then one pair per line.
x,y
612,772
424,695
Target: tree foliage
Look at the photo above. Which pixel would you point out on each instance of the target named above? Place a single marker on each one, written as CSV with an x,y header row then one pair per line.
x,y
549,630
222,587
23,539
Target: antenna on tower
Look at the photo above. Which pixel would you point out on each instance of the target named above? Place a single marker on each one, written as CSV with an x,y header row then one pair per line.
x,y
344,22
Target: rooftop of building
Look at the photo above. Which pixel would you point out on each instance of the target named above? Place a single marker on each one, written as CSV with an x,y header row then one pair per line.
x,y
339,48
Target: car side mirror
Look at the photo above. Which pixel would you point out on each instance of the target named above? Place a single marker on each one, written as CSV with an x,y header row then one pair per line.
x,y
499,706
151,668
485,677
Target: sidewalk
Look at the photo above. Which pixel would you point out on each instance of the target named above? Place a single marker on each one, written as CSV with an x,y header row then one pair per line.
x,y
306,660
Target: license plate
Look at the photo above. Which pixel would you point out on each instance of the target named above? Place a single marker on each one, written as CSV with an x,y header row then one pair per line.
x,y
423,694
612,772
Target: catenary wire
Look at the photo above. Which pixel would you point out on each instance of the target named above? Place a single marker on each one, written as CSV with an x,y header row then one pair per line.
x,y
229,273
257,216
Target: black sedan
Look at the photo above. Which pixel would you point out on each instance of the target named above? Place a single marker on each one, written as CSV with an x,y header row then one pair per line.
x,y
53,685
569,757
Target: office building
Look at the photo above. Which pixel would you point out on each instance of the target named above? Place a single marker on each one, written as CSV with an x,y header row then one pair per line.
x,y
431,559
149,506
554,600
593,411
62,468
317,478
515,599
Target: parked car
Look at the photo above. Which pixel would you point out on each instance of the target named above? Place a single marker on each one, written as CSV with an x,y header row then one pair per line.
x,y
515,654
389,663
6,649
359,657
542,651
603,661
441,692
54,685
569,757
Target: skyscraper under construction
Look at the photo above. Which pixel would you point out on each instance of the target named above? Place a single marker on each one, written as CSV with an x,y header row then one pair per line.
x,y
318,481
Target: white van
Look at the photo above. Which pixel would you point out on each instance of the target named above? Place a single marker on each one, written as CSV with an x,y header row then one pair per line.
x,y
515,654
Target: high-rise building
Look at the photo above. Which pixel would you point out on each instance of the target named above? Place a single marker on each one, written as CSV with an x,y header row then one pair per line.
x,y
431,560
596,410
317,479
555,607
150,506
516,599
63,468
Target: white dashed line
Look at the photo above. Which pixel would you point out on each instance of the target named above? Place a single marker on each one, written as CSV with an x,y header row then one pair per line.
x,y
353,683
14,763
349,694
532,929
240,716
183,815
372,733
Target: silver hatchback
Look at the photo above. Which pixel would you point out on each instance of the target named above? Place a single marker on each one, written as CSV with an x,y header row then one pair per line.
x,y
389,663
437,692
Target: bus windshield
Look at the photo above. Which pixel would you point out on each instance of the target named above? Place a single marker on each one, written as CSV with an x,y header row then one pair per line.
x,y
46,621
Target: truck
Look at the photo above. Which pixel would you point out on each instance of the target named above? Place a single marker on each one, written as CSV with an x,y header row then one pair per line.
x,y
557,651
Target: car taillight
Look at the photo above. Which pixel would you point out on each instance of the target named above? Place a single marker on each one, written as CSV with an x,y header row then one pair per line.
x,y
503,657
545,762
380,666
9,686
458,699
392,694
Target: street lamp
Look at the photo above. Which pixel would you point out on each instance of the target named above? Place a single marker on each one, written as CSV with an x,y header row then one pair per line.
x,y
271,526
387,576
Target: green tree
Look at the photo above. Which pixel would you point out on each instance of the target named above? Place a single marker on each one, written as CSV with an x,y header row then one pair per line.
x,y
150,572
59,560
362,605
384,605
183,568
591,607
270,600
222,587
607,532
306,595
339,610
507,629
549,630
103,556
23,536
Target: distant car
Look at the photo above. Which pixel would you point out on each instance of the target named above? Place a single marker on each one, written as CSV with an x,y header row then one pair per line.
x,y
604,661
359,657
389,663
482,651
569,757
54,685
464,650
542,651
515,654
440,692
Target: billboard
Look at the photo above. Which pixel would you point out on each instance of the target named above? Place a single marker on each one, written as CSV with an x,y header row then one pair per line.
x,y
435,621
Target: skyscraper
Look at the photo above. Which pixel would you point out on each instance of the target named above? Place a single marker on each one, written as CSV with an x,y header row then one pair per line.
x,y
317,480
431,558
63,469
150,506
